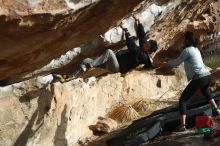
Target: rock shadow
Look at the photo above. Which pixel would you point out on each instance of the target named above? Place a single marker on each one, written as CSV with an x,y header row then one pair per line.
x,y
44,103
60,136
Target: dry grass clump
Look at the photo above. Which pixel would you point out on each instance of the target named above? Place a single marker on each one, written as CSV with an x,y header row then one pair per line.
x,y
135,108
123,113
141,106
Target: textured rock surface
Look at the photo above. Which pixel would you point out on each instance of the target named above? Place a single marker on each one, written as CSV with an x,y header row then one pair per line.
x,y
59,114
35,32
35,112
182,16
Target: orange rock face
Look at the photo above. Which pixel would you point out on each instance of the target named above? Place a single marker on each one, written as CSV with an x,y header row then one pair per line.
x,y
192,16
34,32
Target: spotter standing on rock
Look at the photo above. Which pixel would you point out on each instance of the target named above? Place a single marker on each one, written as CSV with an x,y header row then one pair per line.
x,y
123,60
197,73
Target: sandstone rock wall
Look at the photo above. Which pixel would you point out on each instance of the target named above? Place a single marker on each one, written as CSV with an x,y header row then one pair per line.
x,y
33,35
59,114
35,32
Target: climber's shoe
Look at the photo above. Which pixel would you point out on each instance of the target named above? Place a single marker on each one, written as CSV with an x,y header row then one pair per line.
x,y
58,77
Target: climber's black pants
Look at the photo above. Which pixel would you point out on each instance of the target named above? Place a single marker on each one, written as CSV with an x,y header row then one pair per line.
x,y
201,84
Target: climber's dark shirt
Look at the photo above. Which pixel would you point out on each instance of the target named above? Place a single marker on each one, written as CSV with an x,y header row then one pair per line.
x,y
134,55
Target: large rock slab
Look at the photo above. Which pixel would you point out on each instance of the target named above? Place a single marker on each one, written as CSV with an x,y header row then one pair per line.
x,y
35,32
38,113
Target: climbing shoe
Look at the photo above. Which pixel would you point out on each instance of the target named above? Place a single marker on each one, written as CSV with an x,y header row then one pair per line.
x,y
58,77
181,128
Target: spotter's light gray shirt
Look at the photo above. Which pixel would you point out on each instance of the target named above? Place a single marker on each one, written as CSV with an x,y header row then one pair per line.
x,y
193,63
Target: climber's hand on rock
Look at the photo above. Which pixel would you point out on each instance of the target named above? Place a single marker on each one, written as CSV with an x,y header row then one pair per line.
x,y
136,18
122,27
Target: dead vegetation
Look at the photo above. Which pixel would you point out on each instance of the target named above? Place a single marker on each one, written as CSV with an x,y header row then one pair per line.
x,y
123,113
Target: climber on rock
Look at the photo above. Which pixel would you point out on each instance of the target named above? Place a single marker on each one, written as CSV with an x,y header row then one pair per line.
x,y
136,55
123,60
197,73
